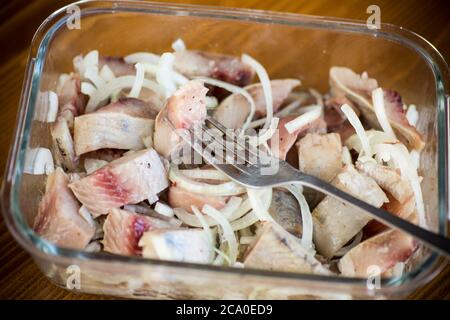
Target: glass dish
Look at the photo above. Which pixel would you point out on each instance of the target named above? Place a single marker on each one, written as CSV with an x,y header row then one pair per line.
x,y
289,45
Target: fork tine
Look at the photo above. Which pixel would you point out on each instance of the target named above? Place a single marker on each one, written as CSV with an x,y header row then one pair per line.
x,y
246,146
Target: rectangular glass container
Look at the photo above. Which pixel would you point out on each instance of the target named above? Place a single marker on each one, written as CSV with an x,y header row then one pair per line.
x,y
288,45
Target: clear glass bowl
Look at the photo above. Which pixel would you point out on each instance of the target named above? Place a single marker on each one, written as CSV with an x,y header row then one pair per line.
x,y
289,45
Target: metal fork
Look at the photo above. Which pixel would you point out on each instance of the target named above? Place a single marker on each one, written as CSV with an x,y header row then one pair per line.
x,y
243,165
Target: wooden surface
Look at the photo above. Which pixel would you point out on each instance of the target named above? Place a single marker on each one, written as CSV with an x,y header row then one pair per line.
x,y
19,276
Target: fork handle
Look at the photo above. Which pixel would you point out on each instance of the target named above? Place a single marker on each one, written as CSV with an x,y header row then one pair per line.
x,y
436,241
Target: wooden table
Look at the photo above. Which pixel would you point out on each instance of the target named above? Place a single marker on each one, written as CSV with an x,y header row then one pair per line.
x,y
19,276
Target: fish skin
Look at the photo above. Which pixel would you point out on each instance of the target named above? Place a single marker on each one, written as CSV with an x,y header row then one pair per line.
x,y
123,230
128,180
227,68
285,210
58,220
63,144
119,125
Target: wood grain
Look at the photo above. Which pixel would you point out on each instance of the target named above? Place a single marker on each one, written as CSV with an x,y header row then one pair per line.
x,y
19,276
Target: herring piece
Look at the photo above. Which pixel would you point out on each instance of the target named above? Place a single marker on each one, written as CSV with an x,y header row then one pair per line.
x,y
222,67
58,220
282,141
345,82
63,144
336,223
184,109
123,230
285,210
131,179
320,155
276,249
383,251
184,245
182,198
233,111
117,65
388,179
70,99
119,125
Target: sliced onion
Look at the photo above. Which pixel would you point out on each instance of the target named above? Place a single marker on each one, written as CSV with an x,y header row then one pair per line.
x,y
356,123
142,57
380,112
164,73
106,73
307,221
267,88
47,107
399,153
412,115
245,207
225,189
211,102
138,81
164,209
88,88
246,221
375,137
178,45
92,75
316,94
207,174
115,85
177,77
255,196
221,257
39,161
228,212
303,120
232,205
226,231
